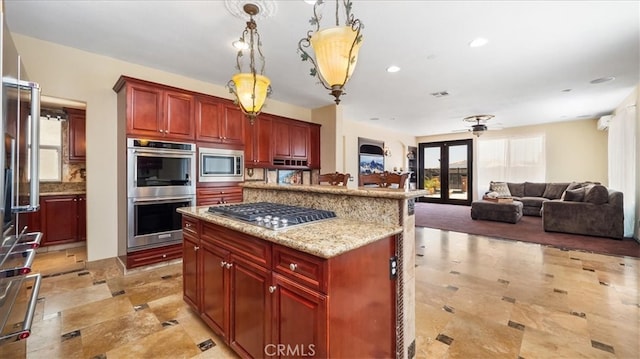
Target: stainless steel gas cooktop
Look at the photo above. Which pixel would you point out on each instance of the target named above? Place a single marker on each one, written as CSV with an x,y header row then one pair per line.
x,y
272,215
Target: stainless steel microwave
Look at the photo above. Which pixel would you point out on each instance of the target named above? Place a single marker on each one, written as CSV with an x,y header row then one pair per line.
x,y
220,165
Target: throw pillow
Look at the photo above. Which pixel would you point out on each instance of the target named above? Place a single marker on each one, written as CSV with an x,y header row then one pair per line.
x,y
573,195
596,194
516,189
554,190
532,189
501,188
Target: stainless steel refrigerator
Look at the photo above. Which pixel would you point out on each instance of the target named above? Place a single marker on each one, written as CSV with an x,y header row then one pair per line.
x,y
19,192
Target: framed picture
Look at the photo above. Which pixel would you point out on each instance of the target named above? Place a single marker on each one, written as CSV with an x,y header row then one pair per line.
x,y
290,177
371,163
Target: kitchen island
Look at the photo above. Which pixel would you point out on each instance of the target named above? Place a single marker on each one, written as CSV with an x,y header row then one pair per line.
x,y
342,287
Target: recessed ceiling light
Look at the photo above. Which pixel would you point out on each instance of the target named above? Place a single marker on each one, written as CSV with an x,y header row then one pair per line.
x,y
393,68
240,45
478,42
566,90
374,118
602,80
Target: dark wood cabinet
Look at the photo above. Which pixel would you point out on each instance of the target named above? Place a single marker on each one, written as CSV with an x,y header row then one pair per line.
x,y
219,121
218,195
314,146
256,295
258,142
77,139
62,219
155,111
300,318
291,141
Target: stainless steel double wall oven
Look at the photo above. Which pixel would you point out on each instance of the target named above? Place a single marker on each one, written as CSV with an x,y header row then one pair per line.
x,y
161,177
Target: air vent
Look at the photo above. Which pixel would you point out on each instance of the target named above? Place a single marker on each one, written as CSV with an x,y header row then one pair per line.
x,y
440,94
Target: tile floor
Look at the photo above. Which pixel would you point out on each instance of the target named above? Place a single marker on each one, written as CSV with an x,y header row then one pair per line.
x,y
477,297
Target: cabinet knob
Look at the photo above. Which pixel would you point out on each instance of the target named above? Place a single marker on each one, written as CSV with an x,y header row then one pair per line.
x,y
228,265
188,225
293,267
195,248
222,264
272,288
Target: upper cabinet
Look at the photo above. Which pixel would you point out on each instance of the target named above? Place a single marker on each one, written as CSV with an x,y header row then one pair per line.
x,y
257,145
77,135
219,121
291,141
314,146
156,111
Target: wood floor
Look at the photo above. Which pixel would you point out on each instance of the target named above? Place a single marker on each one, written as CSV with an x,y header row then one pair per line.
x,y
477,297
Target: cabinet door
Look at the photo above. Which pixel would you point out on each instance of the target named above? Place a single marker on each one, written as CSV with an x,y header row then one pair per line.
x,y
82,218
190,263
257,142
234,122
314,147
77,135
208,119
178,115
250,308
144,110
299,140
215,288
300,318
281,139
60,224
264,131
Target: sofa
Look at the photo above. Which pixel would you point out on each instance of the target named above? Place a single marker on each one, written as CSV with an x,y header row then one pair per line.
x,y
586,208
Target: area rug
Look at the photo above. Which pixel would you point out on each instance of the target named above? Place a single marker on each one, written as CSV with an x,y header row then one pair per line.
x,y
528,229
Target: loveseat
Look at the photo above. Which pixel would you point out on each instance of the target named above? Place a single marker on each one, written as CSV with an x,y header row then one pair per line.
x,y
586,208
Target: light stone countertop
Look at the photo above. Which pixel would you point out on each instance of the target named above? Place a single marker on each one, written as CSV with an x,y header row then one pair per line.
x,y
324,239
62,193
393,193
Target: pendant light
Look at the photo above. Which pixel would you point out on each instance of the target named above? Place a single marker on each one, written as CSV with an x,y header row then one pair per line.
x,y
250,88
336,48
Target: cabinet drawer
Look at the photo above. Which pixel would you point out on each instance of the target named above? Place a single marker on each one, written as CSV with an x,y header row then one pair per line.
x,y
251,248
302,268
155,255
218,195
190,226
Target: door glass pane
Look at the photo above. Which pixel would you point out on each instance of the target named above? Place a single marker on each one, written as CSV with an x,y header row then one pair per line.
x,y
458,173
432,171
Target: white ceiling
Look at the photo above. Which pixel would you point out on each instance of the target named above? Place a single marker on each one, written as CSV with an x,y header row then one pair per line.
x,y
536,50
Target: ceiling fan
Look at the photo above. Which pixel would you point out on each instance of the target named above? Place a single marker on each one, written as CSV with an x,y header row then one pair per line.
x,y
480,124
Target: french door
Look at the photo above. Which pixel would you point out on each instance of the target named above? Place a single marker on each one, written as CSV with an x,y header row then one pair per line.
x,y
445,171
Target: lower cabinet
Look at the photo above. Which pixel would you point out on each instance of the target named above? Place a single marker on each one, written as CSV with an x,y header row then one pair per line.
x,y
62,219
267,300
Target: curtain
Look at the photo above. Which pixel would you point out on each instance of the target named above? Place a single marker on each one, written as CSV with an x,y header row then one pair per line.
x,y
511,160
622,161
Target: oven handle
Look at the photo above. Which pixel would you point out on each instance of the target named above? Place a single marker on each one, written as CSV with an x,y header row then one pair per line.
x,y
162,200
165,153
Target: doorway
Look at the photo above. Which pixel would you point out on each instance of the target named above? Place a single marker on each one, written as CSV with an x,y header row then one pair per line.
x,y
445,170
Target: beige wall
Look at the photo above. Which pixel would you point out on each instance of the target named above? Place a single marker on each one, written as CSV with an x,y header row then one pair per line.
x,y
575,150
69,73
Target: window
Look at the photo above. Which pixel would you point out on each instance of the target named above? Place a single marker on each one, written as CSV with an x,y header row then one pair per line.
x,y
512,160
50,150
